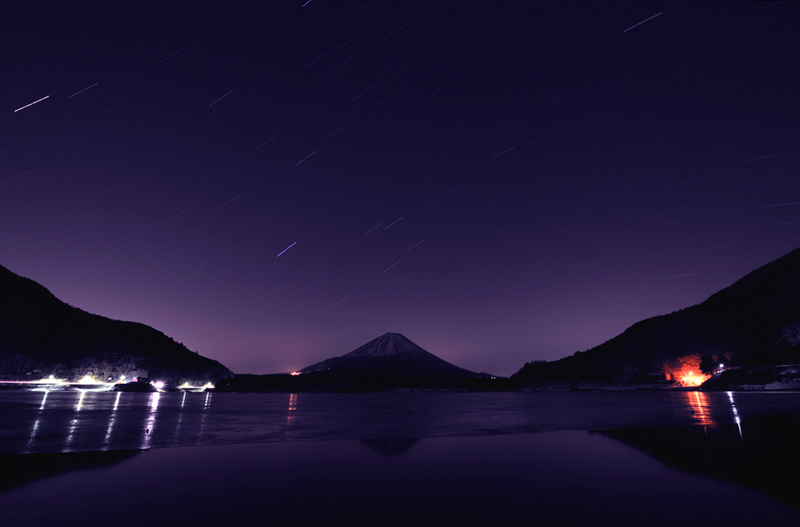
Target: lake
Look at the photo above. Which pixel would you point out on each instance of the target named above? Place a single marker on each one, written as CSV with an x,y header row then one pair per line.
x,y
639,458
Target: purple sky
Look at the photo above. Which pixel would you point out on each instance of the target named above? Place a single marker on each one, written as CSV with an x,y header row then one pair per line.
x,y
273,183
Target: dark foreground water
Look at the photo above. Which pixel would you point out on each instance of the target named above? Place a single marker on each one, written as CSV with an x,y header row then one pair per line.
x,y
75,458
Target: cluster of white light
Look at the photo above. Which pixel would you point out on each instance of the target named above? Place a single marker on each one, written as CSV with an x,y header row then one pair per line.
x,y
88,379
51,380
192,387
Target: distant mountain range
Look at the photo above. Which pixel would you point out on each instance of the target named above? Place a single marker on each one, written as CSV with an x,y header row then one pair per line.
x,y
40,336
736,338
753,323
389,362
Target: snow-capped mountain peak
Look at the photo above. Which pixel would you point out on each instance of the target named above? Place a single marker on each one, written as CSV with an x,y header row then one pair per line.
x,y
387,345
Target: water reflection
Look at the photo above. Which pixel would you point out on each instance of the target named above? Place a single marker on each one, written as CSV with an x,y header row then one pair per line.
x,y
150,421
111,421
736,417
76,418
78,421
762,462
698,402
19,470
178,425
292,408
702,410
391,446
35,428
79,405
204,417
561,478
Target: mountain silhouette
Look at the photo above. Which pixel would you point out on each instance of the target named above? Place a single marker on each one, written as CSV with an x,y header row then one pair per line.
x,y
40,335
389,362
390,355
754,322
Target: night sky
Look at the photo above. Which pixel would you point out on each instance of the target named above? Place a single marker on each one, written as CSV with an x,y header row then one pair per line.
x,y
275,183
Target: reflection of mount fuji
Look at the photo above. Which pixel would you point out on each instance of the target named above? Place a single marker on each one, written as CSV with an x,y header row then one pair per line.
x,y
391,446
21,469
762,454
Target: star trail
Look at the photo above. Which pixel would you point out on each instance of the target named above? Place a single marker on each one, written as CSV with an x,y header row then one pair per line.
x,y
500,182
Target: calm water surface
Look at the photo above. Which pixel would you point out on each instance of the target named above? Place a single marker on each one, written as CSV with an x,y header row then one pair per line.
x,y
646,458
74,421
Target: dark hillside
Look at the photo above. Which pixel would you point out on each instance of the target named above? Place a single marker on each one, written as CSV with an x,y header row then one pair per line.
x,y
754,322
40,335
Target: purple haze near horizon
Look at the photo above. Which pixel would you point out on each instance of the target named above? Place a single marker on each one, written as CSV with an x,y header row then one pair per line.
x,y
277,184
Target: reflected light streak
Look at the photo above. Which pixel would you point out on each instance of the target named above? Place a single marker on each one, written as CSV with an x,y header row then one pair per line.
x,y
292,408
35,428
107,439
80,401
111,421
68,441
154,398
699,404
150,422
736,415
75,421
204,415
180,421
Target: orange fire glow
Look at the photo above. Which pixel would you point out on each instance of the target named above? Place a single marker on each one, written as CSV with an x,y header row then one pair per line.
x,y
692,378
686,371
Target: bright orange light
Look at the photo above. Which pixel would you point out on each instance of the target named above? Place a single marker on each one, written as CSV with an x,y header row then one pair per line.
x,y
686,371
295,373
693,379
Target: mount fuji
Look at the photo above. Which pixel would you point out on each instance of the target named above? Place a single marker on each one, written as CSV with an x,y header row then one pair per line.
x,y
390,355
389,362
